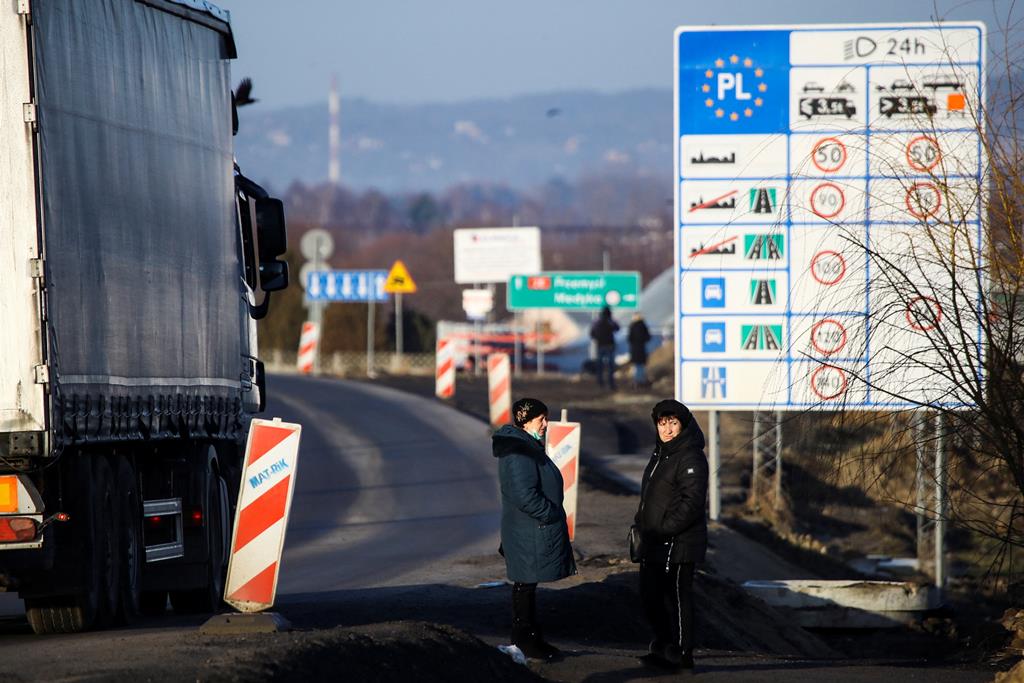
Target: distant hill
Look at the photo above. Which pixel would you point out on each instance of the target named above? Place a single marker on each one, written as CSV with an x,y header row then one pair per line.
x,y
521,142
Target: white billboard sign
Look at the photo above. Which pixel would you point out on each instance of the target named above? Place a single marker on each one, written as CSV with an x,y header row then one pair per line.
x,y
826,176
485,255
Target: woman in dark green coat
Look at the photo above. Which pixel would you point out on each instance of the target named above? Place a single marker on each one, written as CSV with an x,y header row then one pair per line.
x,y
534,534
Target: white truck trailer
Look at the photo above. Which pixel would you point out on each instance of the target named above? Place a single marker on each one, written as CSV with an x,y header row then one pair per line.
x,y
135,260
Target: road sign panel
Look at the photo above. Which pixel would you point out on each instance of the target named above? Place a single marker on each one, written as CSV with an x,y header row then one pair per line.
x,y
316,244
350,286
484,255
585,291
399,281
809,159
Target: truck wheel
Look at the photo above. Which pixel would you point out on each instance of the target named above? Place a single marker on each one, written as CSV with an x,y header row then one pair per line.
x,y
97,600
106,547
210,597
153,603
132,552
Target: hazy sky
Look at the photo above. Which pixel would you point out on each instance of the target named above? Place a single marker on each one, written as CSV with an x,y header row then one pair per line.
x,y
449,50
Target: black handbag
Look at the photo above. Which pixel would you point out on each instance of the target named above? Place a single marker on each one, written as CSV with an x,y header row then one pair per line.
x,y
636,545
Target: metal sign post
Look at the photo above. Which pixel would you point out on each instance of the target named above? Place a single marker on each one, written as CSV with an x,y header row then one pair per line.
x,y
714,464
317,245
940,503
371,329
399,282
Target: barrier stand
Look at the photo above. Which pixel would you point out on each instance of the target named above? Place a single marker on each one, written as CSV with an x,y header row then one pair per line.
x,y
444,372
308,343
499,389
563,446
264,501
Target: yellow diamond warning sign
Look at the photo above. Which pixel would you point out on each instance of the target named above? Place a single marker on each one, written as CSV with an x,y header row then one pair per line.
x,y
399,280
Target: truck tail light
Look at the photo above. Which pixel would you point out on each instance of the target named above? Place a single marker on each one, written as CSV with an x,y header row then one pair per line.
x,y
17,529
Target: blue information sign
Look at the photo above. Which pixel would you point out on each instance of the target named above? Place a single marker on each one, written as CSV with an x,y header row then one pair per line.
x,y
808,160
351,286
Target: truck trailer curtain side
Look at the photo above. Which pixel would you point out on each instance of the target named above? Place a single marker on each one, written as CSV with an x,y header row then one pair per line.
x,y
147,327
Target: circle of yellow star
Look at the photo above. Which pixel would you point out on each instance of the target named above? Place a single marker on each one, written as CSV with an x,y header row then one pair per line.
x,y
706,88
758,101
748,62
709,73
762,87
719,113
758,72
734,116
734,59
719,63
748,112
709,102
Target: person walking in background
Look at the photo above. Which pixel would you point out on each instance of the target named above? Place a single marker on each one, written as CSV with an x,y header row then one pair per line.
x,y
638,337
534,533
674,533
603,333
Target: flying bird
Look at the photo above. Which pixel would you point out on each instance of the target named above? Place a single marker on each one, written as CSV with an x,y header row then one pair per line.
x,y
243,93
553,112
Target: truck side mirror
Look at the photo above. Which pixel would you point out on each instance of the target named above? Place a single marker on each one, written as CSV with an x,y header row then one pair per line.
x,y
273,242
273,275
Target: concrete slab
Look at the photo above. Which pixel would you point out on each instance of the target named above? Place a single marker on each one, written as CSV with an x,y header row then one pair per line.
x,y
847,604
237,623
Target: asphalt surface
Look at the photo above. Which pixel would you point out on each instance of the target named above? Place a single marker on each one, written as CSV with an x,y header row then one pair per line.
x,y
391,487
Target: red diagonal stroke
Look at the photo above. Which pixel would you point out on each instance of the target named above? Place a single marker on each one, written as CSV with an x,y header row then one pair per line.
x,y
708,250
556,433
260,514
712,201
500,389
263,439
445,367
307,348
570,521
504,418
259,588
569,474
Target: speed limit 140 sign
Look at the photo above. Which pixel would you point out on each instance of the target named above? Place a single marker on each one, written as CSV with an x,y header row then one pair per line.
x,y
811,162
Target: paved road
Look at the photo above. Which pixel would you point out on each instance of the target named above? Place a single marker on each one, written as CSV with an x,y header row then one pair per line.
x,y
391,486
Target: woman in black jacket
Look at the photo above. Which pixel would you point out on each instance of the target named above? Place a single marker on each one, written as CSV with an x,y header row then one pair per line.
x,y
674,530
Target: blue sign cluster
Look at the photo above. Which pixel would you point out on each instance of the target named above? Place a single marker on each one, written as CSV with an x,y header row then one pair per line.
x,y
350,286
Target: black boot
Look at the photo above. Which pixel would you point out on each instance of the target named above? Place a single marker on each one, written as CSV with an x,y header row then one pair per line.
x,y
525,632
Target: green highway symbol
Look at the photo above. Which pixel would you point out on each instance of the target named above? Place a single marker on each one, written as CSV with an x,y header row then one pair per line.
x,y
762,292
764,246
761,337
574,290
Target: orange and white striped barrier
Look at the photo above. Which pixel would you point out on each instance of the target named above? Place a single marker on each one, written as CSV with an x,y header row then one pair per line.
x,y
271,456
308,342
444,373
564,450
499,389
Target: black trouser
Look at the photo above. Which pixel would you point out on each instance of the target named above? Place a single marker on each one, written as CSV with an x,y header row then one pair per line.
x,y
524,605
668,603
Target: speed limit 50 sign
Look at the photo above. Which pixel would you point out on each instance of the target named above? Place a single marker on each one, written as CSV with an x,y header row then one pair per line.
x,y
811,164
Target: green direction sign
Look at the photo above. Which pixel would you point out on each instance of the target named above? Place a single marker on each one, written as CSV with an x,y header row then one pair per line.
x,y
574,290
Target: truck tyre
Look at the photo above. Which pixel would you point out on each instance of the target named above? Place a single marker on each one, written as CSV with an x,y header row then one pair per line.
x,y
132,552
210,597
95,603
153,603
106,547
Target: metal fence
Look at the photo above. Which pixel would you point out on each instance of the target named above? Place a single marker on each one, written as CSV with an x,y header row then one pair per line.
x,y
353,363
